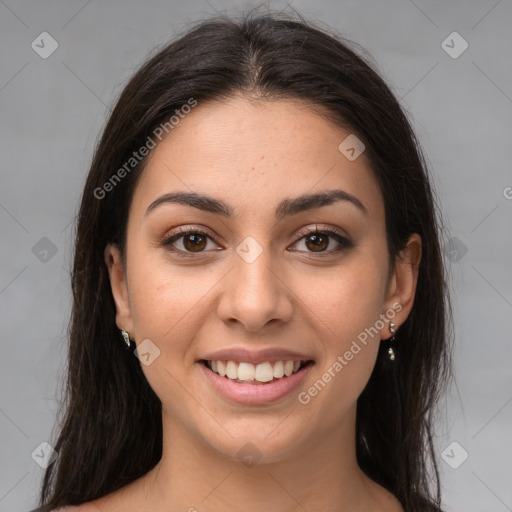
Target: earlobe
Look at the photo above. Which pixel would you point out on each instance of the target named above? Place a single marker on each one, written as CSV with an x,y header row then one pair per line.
x,y
119,287
402,288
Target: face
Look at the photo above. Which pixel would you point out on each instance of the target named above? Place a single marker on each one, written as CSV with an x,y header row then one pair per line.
x,y
272,275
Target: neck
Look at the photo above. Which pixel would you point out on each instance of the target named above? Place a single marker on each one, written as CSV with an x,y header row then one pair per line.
x,y
321,474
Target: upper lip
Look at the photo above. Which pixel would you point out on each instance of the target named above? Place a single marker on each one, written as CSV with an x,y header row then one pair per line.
x,y
255,356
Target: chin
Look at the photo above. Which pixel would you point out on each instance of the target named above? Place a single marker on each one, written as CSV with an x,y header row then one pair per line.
x,y
257,441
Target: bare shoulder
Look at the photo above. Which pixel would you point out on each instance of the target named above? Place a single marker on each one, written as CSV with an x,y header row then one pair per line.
x,y
385,501
85,507
125,499
391,503
116,501
90,506
394,504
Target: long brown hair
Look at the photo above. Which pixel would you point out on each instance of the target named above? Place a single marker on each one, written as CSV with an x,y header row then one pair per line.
x,y
109,427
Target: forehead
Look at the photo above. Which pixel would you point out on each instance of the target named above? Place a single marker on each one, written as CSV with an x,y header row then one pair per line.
x,y
252,154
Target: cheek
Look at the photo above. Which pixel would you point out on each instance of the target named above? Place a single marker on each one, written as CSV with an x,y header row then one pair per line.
x,y
346,306
169,302
345,300
168,308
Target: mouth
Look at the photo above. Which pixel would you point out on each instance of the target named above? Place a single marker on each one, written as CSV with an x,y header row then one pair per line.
x,y
255,384
264,373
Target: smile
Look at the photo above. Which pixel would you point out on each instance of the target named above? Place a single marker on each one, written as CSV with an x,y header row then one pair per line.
x,y
248,373
259,384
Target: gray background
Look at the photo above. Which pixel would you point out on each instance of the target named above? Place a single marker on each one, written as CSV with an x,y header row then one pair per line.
x,y
52,111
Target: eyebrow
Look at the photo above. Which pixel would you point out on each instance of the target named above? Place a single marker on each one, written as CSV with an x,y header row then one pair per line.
x,y
286,208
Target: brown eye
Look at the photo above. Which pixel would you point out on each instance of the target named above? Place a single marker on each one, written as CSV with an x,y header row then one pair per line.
x,y
191,241
194,242
317,242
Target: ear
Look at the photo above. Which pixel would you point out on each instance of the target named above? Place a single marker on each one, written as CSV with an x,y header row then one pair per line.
x,y
119,288
402,284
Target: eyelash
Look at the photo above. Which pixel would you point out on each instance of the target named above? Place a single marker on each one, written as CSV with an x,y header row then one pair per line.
x,y
332,232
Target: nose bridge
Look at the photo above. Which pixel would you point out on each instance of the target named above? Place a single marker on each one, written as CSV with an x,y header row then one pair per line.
x,y
254,294
254,267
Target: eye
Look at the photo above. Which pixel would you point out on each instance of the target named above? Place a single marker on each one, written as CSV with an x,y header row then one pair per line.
x,y
194,241
317,241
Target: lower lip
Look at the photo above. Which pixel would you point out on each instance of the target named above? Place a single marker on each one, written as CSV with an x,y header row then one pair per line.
x,y
255,394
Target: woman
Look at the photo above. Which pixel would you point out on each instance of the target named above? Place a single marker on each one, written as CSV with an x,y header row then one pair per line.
x,y
259,230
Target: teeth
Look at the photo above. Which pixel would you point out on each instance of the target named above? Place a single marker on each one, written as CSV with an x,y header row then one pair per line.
x,y
246,371
279,369
262,372
221,368
232,370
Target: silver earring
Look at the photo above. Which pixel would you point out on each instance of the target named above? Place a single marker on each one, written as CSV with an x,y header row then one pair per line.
x,y
391,352
129,343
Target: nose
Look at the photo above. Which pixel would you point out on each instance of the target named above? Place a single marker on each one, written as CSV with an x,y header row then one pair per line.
x,y
255,293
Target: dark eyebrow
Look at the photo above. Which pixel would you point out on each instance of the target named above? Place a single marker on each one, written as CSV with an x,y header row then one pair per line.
x,y
287,207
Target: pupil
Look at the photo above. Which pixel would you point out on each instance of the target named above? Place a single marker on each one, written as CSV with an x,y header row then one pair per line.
x,y
196,241
318,241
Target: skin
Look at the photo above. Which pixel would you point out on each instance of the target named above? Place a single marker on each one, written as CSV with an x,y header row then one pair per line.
x,y
253,154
